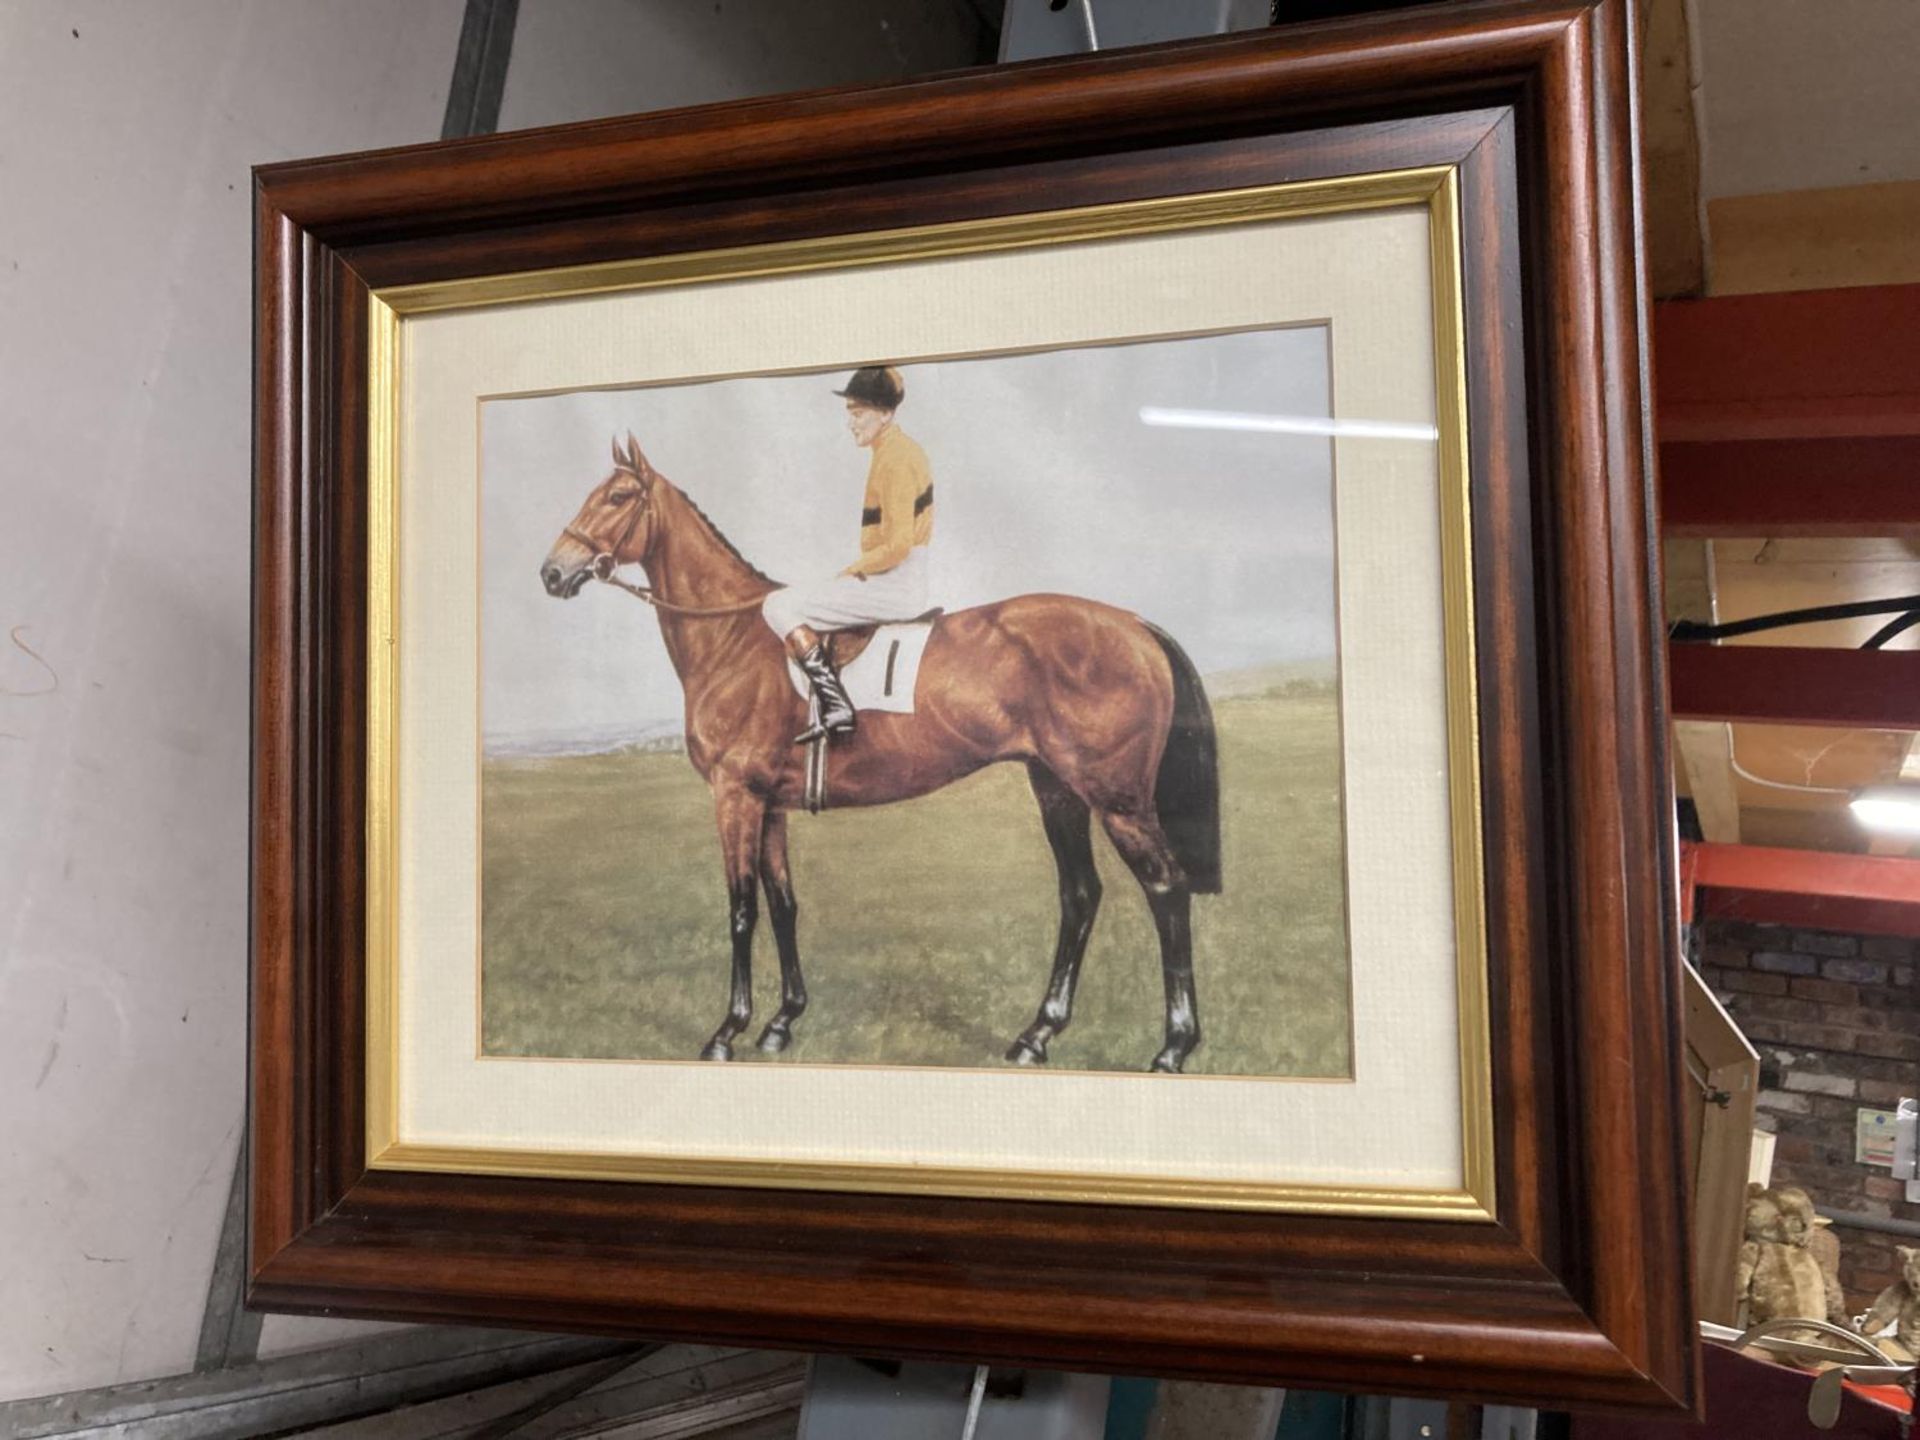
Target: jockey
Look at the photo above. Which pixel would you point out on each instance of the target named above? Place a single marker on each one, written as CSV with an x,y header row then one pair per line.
x,y
889,580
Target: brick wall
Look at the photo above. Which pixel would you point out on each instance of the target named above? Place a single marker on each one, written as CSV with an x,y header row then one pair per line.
x,y
1836,1019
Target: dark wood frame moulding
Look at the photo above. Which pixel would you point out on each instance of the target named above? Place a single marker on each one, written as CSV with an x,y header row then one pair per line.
x,y
1580,1294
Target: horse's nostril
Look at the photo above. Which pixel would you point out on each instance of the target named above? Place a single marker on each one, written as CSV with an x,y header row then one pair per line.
x,y
550,575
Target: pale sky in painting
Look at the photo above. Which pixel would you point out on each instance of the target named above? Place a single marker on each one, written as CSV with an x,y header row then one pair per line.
x,y
1046,479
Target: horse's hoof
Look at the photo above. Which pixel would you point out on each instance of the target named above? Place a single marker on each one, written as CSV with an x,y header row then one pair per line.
x,y
717,1050
774,1039
1025,1052
1168,1063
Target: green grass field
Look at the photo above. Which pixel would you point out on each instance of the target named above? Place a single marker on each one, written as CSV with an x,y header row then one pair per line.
x,y
926,928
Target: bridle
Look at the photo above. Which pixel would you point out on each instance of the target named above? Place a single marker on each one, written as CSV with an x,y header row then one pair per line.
x,y
604,564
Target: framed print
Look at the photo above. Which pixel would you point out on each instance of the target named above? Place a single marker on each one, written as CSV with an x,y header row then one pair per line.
x,y
638,770
1010,717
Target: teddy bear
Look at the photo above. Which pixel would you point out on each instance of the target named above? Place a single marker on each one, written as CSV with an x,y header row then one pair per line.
x,y
1899,1305
1825,1247
1780,1278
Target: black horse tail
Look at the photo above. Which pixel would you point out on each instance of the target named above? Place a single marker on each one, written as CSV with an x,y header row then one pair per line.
x,y
1186,793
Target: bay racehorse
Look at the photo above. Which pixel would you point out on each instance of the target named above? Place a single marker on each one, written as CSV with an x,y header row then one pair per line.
x,y
1105,710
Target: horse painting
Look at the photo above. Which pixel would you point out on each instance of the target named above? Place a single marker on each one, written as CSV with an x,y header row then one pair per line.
x,y
1106,712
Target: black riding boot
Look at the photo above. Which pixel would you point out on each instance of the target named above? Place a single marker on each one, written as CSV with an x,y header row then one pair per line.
x,y
836,710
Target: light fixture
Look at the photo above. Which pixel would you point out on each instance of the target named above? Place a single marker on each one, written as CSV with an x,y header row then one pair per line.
x,y
1890,809
1285,424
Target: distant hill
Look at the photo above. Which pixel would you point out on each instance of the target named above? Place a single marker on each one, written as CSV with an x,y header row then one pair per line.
x,y
647,737
1291,677
668,737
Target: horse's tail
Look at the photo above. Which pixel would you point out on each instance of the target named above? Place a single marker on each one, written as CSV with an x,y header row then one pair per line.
x,y
1186,793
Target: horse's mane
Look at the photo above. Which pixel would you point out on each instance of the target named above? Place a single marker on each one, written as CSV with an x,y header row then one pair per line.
x,y
717,533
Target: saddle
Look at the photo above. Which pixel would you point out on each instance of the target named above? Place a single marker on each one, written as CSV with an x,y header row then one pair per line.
x,y
886,680
843,647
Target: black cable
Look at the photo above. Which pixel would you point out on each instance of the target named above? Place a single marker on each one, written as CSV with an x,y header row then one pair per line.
x,y
1892,628
1902,605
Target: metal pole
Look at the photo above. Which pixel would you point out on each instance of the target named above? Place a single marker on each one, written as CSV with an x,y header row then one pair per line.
x,y
974,1397
1093,36
480,69
1870,1222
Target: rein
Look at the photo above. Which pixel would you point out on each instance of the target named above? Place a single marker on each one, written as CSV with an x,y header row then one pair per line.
x,y
603,566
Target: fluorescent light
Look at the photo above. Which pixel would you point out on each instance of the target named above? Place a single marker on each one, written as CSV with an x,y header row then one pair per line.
x,y
1285,424
1890,809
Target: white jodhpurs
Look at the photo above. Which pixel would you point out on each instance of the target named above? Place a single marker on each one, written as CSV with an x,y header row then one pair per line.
x,y
843,601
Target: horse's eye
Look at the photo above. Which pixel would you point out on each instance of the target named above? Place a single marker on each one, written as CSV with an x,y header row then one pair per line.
x,y
622,495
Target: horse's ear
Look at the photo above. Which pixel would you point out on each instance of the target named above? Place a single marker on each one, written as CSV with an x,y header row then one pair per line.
x,y
635,459
620,461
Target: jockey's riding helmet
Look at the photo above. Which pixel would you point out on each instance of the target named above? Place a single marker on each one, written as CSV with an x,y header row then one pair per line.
x,y
877,385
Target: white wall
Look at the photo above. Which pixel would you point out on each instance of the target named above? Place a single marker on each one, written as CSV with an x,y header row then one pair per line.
x,y
125,374
579,59
1807,94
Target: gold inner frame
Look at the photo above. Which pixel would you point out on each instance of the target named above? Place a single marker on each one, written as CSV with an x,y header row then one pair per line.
x,y
1436,189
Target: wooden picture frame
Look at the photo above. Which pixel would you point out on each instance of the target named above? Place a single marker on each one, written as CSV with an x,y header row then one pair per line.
x,y
1568,1283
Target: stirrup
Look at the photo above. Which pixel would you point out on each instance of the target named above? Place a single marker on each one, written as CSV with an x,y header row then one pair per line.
x,y
827,727
832,710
